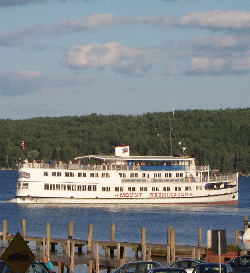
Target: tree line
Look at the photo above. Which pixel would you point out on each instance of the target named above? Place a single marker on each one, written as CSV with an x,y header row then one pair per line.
x,y
219,138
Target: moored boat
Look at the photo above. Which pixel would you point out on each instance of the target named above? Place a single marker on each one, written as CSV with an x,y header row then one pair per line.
x,y
124,179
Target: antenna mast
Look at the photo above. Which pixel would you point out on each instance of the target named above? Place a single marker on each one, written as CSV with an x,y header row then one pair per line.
x,y
170,138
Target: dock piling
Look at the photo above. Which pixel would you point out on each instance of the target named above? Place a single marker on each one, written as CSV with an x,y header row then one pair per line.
x,y
199,237
90,231
24,231
70,231
4,234
143,243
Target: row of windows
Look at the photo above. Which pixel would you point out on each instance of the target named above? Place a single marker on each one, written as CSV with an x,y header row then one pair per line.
x,y
80,174
107,175
73,187
70,187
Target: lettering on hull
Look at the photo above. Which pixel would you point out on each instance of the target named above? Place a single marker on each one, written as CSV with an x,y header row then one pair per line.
x,y
153,194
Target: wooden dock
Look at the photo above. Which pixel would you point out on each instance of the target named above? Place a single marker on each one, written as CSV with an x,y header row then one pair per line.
x,y
69,252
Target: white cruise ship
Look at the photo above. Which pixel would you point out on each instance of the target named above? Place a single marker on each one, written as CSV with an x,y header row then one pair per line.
x,y
124,179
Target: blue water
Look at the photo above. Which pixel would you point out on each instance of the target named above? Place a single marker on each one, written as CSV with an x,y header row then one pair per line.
x,y
128,219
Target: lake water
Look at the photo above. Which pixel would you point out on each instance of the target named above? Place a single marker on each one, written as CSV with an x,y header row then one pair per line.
x,y
128,219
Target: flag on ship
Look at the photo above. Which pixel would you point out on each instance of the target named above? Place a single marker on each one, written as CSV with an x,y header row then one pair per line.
x,y
125,150
23,145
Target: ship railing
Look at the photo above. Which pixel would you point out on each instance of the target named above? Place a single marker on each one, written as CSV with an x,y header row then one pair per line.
x,y
220,178
153,180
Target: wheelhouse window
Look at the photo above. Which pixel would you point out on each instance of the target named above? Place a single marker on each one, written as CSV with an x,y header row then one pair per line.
x,y
25,186
131,188
105,188
45,174
166,188
46,187
69,174
118,188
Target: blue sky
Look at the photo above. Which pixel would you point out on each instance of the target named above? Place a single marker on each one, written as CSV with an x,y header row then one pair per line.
x,y
77,57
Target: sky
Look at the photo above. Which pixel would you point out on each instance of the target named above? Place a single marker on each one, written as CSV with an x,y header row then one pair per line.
x,y
127,57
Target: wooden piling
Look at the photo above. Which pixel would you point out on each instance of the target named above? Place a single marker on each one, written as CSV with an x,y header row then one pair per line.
x,y
68,248
118,256
59,267
24,231
4,234
172,244
70,231
143,243
90,231
112,239
245,222
198,253
236,237
169,235
193,253
97,269
72,257
112,234
44,246
199,237
48,239
168,254
209,239
90,266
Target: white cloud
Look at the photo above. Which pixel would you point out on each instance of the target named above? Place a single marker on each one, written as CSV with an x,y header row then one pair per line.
x,y
217,20
11,3
94,21
219,66
20,37
127,60
15,83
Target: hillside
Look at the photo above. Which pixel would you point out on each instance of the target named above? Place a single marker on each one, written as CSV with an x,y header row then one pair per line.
x,y
219,138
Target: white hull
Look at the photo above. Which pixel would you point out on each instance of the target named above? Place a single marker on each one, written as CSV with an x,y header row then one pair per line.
x,y
177,181
232,198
